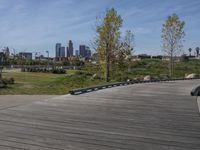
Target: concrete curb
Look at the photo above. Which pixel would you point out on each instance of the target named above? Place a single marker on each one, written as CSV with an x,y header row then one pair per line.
x,y
104,86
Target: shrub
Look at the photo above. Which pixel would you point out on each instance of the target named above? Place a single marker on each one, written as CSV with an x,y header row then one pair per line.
x,y
44,70
11,81
79,72
3,83
23,69
58,71
7,81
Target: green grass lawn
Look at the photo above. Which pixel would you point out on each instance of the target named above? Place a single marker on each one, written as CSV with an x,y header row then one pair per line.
x,y
45,83
56,84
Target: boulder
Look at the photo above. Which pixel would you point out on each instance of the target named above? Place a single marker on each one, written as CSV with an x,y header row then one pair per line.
x,y
193,75
147,78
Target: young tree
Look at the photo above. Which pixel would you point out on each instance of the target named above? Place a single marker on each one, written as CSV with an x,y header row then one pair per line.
x,y
172,38
1,63
129,46
190,50
124,53
197,51
107,40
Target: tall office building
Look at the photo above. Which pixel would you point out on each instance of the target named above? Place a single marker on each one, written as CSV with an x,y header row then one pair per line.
x,y
84,51
76,53
58,46
62,51
88,52
67,52
70,49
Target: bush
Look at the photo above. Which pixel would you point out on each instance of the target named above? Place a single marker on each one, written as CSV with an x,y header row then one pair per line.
x,y
44,70
3,83
58,71
11,81
23,70
79,72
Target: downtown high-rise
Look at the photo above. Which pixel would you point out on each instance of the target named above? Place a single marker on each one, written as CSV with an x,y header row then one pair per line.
x,y
58,46
60,50
84,51
70,49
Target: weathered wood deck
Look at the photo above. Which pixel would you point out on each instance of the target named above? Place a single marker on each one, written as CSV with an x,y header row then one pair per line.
x,y
152,116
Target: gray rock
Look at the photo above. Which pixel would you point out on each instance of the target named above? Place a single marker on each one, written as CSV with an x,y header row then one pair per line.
x,y
193,75
147,78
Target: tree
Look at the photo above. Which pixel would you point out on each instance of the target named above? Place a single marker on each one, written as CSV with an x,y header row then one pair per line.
x,y
190,50
124,54
197,50
2,56
107,40
129,46
172,38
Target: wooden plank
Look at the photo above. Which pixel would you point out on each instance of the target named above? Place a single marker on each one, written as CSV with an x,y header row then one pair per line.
x,y
149,116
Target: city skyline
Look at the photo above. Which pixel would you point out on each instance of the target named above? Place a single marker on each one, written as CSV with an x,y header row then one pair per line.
x,y
38,25
67,51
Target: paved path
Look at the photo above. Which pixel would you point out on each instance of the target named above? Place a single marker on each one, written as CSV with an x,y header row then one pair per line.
x,y
11,70
152,116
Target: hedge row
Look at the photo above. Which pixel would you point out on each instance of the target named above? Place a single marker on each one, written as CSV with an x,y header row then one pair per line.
x,y
44,70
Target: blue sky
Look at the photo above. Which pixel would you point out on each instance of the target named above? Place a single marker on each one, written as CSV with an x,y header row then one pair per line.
x,y
37,25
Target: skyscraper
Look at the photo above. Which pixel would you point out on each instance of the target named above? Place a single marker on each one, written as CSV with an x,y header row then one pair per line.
x,y
58,45
62,51
77,53
70,49
88,52
84,51
67,49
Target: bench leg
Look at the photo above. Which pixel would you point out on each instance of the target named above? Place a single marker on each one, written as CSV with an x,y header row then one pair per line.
x,y
198,103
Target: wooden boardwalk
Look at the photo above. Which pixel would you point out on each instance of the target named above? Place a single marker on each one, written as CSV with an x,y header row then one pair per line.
x,y
151,116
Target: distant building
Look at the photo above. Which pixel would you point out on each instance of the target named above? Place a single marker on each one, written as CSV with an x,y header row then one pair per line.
x,y
84,51
25,55
70,49
88,53
62,51
42,57
77,53
67,51
57,49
